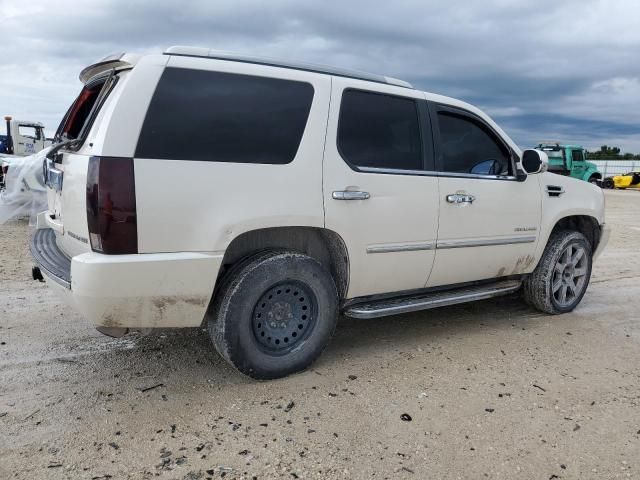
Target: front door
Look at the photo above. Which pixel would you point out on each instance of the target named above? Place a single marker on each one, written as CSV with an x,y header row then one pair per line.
x,y
489,221
378,195
578,165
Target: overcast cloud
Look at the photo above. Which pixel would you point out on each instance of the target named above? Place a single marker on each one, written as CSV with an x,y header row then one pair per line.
x,y
543,69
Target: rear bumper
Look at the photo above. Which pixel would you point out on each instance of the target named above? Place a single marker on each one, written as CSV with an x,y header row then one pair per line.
x,y
158,290
51,260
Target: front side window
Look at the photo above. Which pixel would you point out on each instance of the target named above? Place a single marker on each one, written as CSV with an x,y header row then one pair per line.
x,y
224,117
379,131
469,147
29,131
576,155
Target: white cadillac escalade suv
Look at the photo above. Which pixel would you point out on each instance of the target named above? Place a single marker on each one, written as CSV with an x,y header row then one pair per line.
x,y
263,199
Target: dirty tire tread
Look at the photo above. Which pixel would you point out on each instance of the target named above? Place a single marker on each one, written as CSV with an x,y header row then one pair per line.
x,y
537,286
215,327
236,286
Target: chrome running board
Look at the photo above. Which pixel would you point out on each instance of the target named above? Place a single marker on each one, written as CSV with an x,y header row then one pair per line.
x,y
425,301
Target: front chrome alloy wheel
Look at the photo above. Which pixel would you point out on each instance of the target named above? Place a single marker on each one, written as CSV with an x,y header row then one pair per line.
x,y
570,275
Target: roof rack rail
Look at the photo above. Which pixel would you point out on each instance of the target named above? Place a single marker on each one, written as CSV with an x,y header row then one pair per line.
x,y
308,67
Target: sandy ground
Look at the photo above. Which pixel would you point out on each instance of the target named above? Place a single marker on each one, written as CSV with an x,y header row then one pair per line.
x,y
493,390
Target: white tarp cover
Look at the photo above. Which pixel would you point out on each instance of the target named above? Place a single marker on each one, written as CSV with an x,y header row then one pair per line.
x,y
24,194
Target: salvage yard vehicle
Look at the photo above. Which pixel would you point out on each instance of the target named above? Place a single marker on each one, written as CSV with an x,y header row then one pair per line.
x,y
22,138
627,180
571,160
299,192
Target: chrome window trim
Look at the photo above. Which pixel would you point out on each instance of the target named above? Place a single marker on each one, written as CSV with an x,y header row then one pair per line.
x,y
447,244
406,247
397,171
431,173
475,175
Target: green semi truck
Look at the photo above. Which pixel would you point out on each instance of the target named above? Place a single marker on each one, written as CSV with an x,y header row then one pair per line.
x,y
570,160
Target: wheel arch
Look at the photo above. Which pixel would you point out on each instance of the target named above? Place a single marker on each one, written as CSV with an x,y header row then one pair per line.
x,y
593,174
585,224
325,245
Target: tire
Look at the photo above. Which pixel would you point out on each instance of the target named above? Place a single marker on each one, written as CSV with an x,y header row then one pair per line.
x,y
274,314
594,180
608,183
541,288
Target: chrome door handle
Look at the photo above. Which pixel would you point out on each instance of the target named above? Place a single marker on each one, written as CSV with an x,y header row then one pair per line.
x,y
460,198
350,195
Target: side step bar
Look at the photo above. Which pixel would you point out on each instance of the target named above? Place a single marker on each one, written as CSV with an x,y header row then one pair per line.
x,y
425,301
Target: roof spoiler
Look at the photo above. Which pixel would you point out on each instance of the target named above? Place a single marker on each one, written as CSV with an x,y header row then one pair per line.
x,y
116,61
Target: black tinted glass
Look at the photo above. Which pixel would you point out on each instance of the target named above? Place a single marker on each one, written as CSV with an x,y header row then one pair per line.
x,y
224,117
576,156
467,147
380,131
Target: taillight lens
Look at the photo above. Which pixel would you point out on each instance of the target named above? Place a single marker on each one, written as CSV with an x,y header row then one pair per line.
x,y
111,205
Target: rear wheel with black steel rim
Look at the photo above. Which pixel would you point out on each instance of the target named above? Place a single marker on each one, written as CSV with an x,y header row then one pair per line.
x,y
560,280
274,314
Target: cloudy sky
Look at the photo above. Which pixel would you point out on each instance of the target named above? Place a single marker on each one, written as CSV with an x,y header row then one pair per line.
x,y
544,69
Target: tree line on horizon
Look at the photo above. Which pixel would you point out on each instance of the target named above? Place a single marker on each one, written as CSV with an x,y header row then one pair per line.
x,y
610,153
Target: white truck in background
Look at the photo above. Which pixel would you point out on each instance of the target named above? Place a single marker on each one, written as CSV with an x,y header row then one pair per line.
x,y
22,138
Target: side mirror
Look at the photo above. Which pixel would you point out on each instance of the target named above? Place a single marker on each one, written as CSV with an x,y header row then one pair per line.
x,y
534,161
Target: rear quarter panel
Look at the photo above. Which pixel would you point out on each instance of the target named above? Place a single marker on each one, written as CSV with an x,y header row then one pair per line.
x,y
201,206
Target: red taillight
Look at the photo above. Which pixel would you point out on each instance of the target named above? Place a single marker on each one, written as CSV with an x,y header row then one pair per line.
x,y
111,205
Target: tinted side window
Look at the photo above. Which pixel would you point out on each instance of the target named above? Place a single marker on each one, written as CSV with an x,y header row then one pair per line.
x,y
576,155
224,117
469,147
380,131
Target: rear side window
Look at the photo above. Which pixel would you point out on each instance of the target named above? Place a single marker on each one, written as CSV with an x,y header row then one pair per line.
x,y
379,131
224,117
469,147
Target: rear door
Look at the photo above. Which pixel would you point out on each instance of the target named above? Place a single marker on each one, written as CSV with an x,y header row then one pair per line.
x,y
379,195
489,220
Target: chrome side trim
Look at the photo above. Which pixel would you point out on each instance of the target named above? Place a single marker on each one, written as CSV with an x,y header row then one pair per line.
x,y
484,242
475,175
434,300
403,247
432,173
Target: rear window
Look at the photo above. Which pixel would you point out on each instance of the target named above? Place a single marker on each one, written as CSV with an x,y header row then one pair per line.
x,y
82,112
224,117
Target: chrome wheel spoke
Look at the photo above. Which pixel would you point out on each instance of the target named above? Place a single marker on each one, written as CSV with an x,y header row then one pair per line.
x,y
556,284
563,293
577,256
580,272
